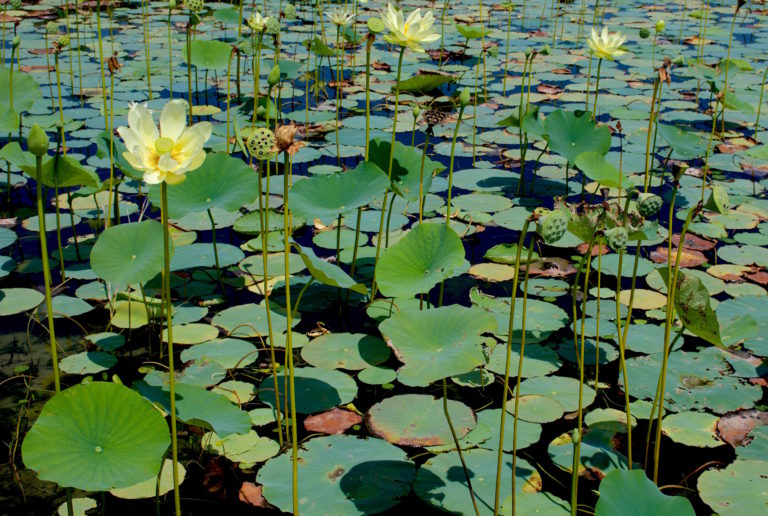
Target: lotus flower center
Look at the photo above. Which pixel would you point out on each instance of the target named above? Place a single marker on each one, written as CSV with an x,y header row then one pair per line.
x,y
98,449
133,257
164,145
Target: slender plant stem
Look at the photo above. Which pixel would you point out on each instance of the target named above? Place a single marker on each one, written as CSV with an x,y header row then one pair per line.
x,y
270,333
597,88
505,391
577,433
46,271
458,447
389,170
169,327
450,165
760,103
289,337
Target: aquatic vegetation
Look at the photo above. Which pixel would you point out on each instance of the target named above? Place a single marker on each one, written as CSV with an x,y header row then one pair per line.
x,y
363,257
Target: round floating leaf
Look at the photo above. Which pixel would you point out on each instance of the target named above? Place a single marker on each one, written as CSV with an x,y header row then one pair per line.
x,y
692,429
437,343
418,420
632,493
247,449
104,434
325,197
194,333
87,362
229,353
563,389
221,182
441,482
352,351
428,254
537,409
377,375
148,488
316,389
340,474
106,341
741,488
17,300
129,253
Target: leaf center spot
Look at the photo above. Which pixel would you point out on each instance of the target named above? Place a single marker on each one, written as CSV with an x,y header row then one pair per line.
x,y
98,449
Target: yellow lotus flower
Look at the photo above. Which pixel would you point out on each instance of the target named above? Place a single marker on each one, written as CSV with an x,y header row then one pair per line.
x,y
340,17
168,153
411,32
606,46
257,22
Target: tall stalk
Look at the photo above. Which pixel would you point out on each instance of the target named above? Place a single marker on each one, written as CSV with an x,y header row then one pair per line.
x,y
577,433
505,391
389,169
289,336
169,325
39,153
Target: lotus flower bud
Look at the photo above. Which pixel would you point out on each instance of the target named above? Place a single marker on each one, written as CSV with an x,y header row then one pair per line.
x,y
15,42
660,25
644,33
464,97
290,12
274,76
37,141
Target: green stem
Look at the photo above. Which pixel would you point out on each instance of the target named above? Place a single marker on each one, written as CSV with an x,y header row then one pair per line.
x,y
264,229
505,391
597,88
389,170
46,271
450,166
421,176
458,447
289,337
169,324
215,250
577,433
760,103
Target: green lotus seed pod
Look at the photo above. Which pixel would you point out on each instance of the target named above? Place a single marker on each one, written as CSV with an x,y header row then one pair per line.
x,y
172,4
15,42
552,226
648,204
290,12
660,25
51,27
194,5
375,25
64,41
617,238
37,141
718,200
644,33
274,76
464,97
273,25
261,144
